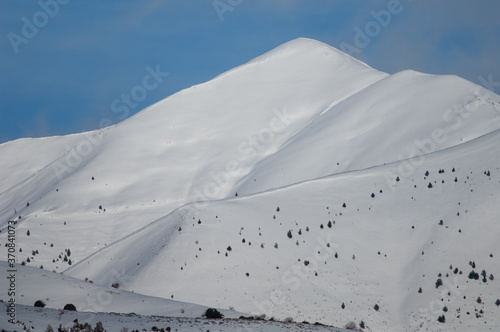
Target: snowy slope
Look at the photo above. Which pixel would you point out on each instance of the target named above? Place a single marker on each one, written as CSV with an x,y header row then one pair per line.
x,y
390,120
174,151
36,319
150,203
180,262
57,290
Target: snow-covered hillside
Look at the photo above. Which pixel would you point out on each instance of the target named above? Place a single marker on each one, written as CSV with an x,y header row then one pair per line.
x,y
294,185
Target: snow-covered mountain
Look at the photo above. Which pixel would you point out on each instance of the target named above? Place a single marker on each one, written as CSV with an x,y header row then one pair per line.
x,y
303,183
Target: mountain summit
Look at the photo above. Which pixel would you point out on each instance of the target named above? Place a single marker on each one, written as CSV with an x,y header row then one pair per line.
x,y
303,183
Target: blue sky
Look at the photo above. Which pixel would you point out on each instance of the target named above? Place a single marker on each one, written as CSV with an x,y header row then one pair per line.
x,y
63,76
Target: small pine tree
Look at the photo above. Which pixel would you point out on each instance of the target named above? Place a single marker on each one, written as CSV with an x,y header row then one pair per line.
x,y
329,224
420,290
429,185
28,232
289,234
439,282
343,305
497,302
376,307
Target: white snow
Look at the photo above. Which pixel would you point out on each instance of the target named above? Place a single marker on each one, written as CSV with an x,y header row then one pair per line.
x,y
303,127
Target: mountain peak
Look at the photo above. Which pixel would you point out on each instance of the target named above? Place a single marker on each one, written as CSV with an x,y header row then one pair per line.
x,y
308,48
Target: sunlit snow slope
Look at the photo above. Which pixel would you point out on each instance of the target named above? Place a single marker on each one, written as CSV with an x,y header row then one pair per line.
x,y
162,196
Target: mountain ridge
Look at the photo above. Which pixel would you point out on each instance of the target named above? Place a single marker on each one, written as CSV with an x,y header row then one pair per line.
x,y
296,149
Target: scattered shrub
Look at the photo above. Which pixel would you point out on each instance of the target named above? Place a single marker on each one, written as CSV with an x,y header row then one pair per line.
x,y
351,326
213,314
70,307
99,327
39,304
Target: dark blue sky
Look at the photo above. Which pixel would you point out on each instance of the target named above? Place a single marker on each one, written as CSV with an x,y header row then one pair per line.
x,y
65,64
